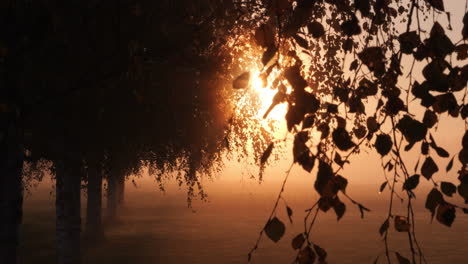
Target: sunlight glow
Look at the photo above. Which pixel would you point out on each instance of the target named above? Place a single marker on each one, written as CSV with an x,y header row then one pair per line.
x,y
266,95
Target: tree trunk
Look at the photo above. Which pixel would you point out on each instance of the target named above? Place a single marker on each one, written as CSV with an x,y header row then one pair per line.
x,y
121,191
11,191
68,185
111,198
94,229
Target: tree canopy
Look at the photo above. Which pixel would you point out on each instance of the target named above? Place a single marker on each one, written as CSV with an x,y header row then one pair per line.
x,y
376,74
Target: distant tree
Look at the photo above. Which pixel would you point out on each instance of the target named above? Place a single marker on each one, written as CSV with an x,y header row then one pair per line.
x,y
339,58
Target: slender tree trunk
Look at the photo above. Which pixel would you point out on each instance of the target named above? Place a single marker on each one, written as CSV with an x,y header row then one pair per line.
x,y
121,191
94,229
111,198
68,185
11,191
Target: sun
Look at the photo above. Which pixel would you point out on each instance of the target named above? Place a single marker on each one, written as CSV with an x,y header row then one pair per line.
x,y
265,95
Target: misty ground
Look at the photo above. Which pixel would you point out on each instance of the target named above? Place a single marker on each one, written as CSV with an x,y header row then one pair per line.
x,y
159,228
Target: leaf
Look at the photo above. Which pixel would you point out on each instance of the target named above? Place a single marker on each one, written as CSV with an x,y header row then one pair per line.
x,y
428,168
401,259
342,139
409,41
340,208
442,152
306,256
316,29
324,176
434,198
383,144
411,183
373,58
289,211
463,156
445,102
384,227
324,128
430,119
338,160
446,214
340,183
382,187
372,124
412,130
351,27
298,241
437,4
449,165
301,41
322,254
266,154
463,190
363,6
274,229
325,203
425,148
242,81
448,188
402,224
439,45
360,131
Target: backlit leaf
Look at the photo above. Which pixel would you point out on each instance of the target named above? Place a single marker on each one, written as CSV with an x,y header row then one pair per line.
x,y
430,118
434,198
428,168
384,227
275,229
321,253
340,208
448,188
446,214
298,241
442,152
382,187
450,164
306,256
289,211
411,183
383,144
316,29
342,139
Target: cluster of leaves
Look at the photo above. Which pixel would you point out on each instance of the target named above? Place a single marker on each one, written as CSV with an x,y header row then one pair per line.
x,y
93,74
310,43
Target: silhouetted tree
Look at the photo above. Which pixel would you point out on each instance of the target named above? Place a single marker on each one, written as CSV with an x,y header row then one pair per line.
x,y
340,57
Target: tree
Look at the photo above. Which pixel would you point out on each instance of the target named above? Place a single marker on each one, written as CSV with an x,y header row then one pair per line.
x,y
81,78
340,57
